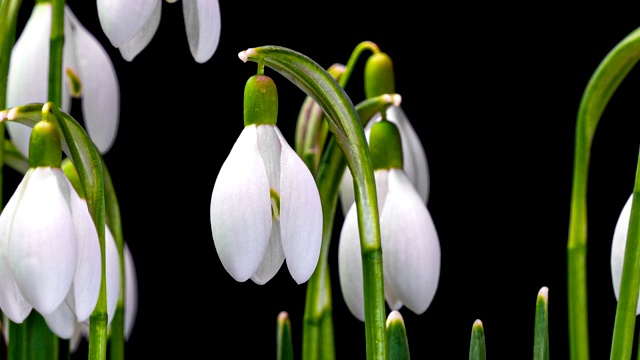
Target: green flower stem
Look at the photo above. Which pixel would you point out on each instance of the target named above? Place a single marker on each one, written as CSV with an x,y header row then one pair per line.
x,y
345,125
77,145
603,83
55,52
112,211
541,326
623,330
353,59
317,341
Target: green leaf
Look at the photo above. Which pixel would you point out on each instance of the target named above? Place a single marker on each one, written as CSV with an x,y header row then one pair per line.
x,y
285,344
541,327
397,342
477,349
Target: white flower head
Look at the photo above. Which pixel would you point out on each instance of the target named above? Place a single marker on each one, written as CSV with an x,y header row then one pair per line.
x,y
84,57
130,25
265,208
49,248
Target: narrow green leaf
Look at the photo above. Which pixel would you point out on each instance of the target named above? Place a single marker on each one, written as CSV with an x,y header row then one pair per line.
x,y
541,326
284,339
477,348
397,342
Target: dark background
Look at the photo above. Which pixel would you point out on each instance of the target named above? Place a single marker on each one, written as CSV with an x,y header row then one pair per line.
x,y
493,93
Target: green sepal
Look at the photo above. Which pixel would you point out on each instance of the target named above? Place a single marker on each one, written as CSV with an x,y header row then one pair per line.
x,y
260,101
284,337
477,348
541,326
72,175
44,145
379,77
385,145
397,342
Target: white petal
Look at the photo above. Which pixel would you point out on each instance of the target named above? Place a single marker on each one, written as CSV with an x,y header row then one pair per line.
x,y
202,23
43,249
391,297
12,303
413,154
410,244
618,247
130,49
350,265
113,273
121,20
86,282
100,89
62,321
130,292
74,342
300,214
270,149
241,208
273,258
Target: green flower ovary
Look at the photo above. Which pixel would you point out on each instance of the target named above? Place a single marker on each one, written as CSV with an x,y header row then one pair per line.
x,y
275,204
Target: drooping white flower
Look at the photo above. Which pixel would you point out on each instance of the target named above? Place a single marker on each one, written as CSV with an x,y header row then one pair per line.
x,y
414,157
265,207
83,56
409,241
49,248
130,25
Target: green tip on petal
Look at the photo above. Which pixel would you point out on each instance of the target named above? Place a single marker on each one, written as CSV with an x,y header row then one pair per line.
x,y
260,101
385,145
477,349
379,77
75,84
45,147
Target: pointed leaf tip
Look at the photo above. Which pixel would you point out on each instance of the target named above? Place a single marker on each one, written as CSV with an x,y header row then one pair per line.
x,y
544,293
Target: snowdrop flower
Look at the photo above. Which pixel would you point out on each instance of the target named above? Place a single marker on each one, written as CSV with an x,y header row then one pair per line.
x,y
130,25
618,247
49,249
265,205
410,244
83,57
379,66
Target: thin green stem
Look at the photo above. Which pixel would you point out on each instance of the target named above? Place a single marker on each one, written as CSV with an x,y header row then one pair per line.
x,y
603,83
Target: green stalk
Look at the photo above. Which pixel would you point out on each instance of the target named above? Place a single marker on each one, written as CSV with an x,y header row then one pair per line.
x,y
317,340
603,83
345,125
623,330
9,9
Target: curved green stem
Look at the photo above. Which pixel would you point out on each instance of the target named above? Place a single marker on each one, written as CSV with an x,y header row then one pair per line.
x,y
604,82
317,341
345,125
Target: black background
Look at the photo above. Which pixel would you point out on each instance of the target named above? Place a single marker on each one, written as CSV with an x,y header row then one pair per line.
x,y
493,93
